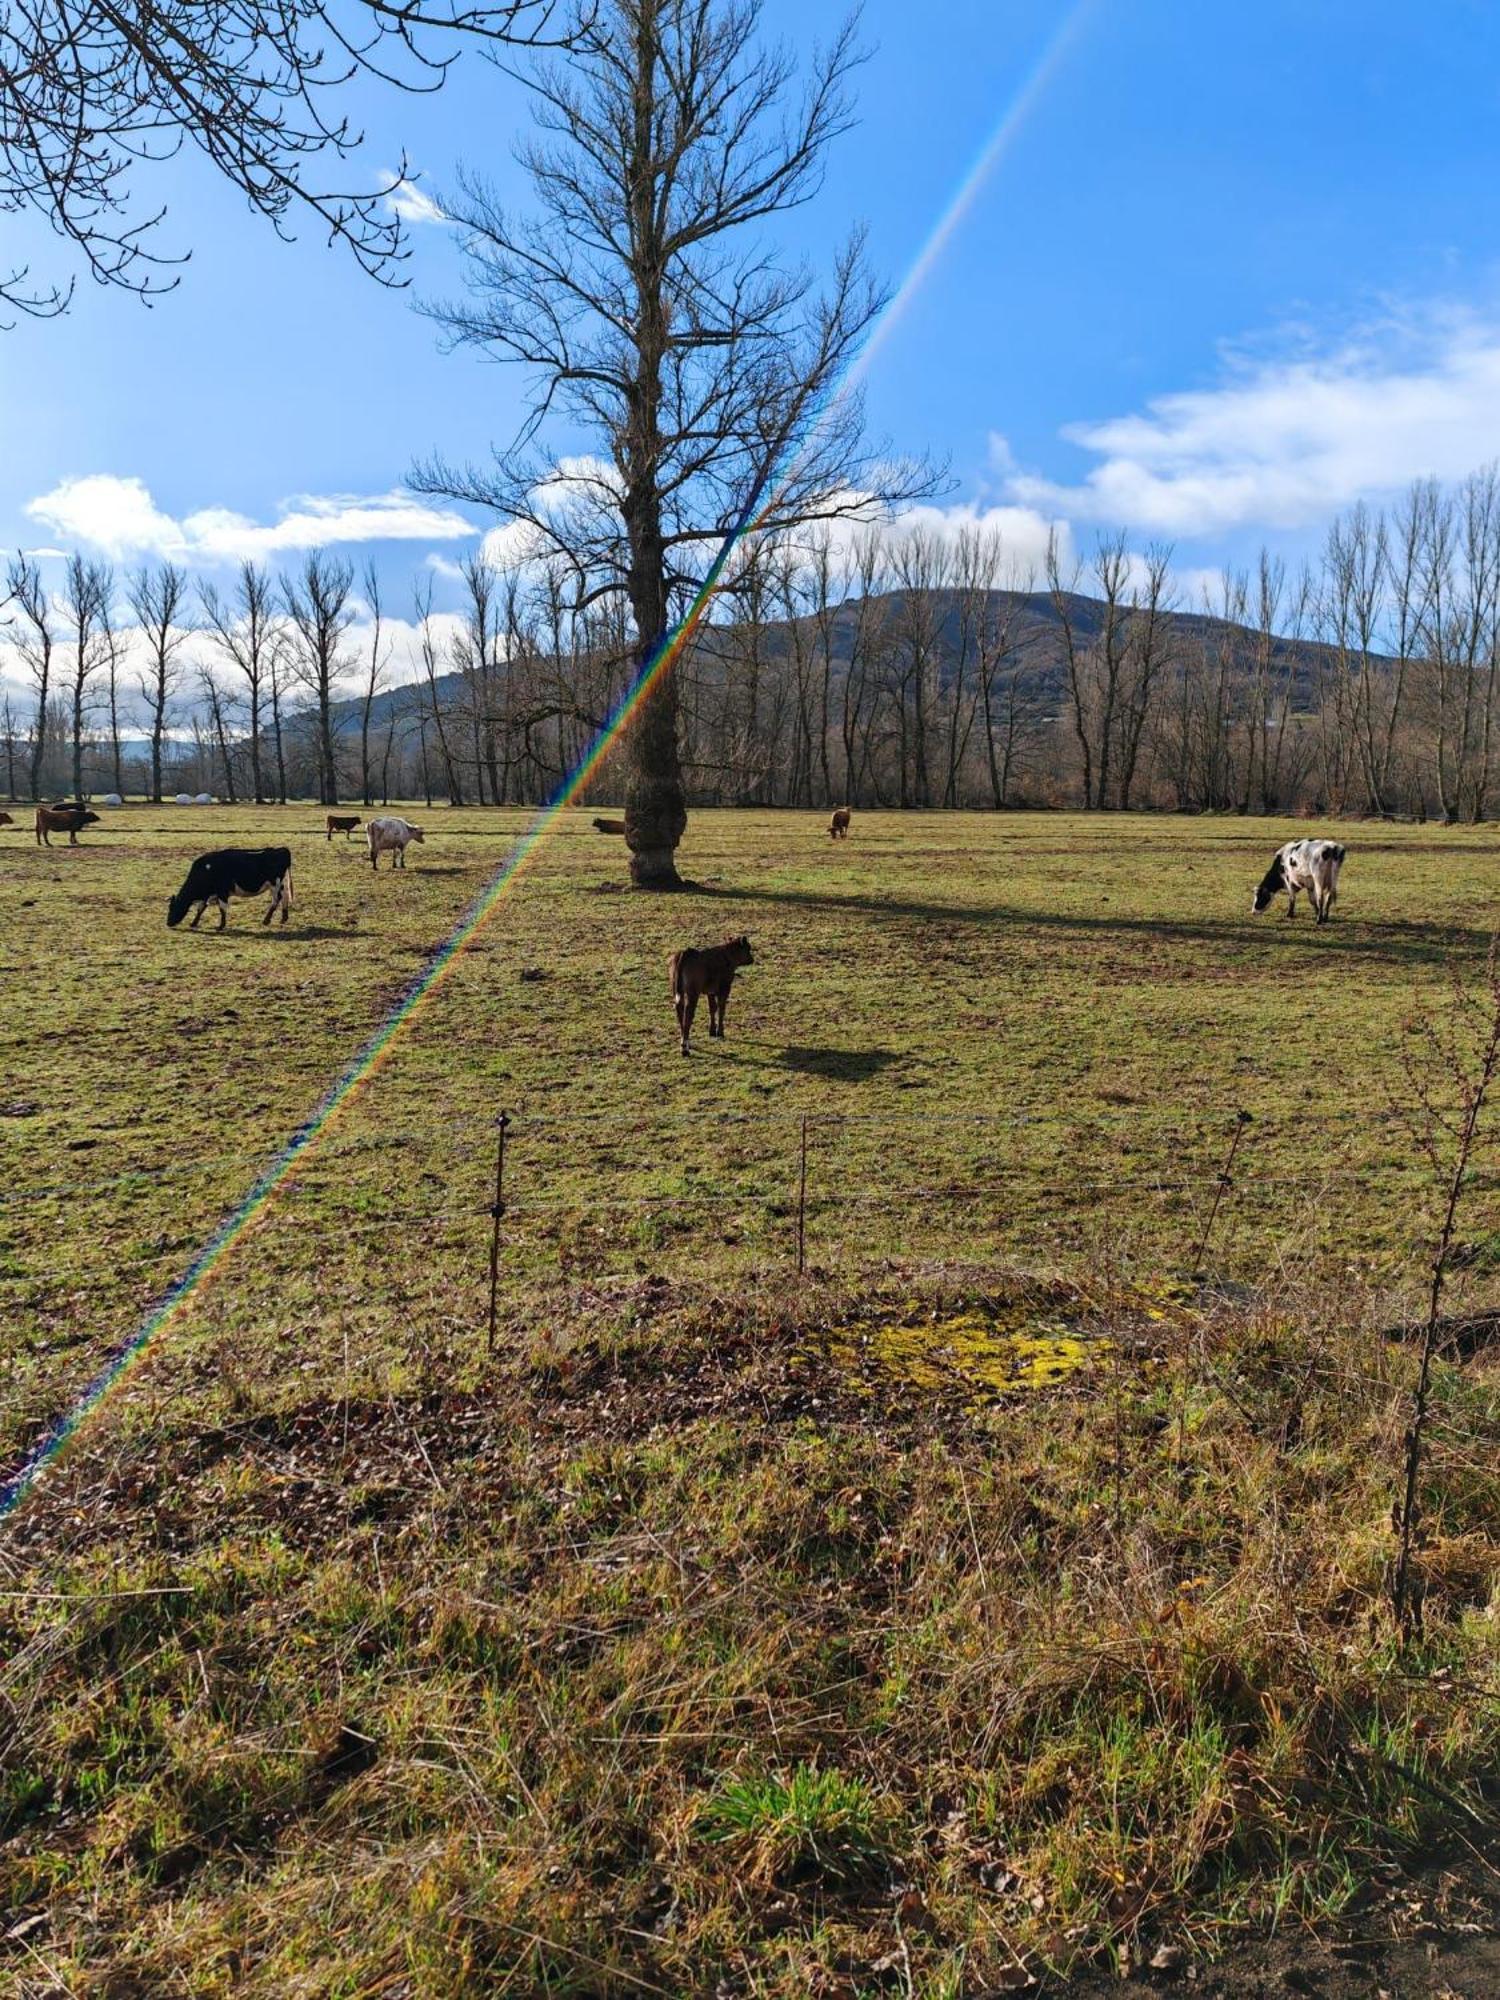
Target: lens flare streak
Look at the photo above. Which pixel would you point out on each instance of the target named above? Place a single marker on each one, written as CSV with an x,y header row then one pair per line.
x,y
367,1062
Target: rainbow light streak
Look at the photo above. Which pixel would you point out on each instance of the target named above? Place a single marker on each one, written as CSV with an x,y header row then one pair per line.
x,y
367,1061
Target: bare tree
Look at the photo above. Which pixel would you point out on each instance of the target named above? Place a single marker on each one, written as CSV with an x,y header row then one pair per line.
x,y
91,91
157,600
475,659
1008,696
1148,648
429,651
87,589
218,715
276,670
379,660
863,578
114,655
921,571
35,640
317,603
244,629
10,735
650,316
1062,583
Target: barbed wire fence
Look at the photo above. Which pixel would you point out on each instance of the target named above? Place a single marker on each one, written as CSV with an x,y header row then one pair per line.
x,y
806,1200
1195,1193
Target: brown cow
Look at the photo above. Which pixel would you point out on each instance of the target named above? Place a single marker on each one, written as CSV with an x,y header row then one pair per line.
x,y
6,820
343,823
610,825
695,973
62,818
838,826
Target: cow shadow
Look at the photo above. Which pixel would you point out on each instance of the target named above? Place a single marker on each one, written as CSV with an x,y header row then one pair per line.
x,y
304,933
834,1065
1344,937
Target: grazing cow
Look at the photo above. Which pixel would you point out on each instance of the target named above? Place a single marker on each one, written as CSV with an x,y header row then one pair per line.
x,y
838,826
343,823
610,825
234,871
1312,865
695,973
390,835
6,820
62,818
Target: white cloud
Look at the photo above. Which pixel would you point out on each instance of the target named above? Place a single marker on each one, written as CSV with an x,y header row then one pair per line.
x,y
120,517
411,205
1287,441
1022,532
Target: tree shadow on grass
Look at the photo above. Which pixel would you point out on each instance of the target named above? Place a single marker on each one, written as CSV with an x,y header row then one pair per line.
x,y
1344,937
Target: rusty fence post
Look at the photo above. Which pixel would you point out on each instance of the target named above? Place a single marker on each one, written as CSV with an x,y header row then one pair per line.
x,y
497,1210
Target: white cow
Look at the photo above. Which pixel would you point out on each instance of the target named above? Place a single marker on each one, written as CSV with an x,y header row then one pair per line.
x,y
390,835
1312,865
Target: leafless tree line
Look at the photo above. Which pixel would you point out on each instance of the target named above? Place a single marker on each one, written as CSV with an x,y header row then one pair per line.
x,y
914,669
265,691
898,667
215,675
1366,683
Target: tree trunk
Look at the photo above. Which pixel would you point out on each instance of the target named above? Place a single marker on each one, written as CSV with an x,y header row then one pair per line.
x,y
325,739
655,804
78,729
39,742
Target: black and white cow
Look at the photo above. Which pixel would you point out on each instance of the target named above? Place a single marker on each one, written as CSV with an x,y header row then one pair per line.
x,y
1312,865
234,871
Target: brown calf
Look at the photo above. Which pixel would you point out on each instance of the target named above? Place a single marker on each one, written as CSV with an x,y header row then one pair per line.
x,y
838,826
62,818
695,973
343,823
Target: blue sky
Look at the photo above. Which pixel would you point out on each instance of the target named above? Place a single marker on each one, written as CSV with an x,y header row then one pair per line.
x,y
1239,267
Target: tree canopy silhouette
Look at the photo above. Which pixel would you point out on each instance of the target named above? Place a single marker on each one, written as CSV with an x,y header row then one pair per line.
x,y
95,92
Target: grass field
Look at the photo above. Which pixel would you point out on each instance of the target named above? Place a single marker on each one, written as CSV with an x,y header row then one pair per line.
x,y
727,1631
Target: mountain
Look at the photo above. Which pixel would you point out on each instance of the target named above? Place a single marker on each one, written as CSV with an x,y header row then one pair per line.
x,y
1034,619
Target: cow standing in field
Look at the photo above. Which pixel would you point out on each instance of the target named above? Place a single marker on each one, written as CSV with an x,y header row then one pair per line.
x,y
343,823
711,972
6,820
838,826
234,871
62,818
1312,865
390,835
